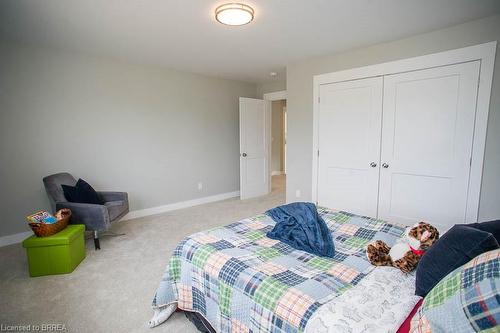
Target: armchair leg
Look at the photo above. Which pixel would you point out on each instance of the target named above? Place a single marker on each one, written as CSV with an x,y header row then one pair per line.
x,y
96,240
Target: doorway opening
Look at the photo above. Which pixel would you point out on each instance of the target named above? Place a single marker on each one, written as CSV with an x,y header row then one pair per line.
x,y
263,145
278,146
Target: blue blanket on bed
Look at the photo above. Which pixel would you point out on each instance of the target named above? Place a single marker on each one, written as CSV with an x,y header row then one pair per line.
x,y
299,225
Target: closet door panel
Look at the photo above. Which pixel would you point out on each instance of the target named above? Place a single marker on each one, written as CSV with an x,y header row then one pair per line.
x,y
427,132
349,144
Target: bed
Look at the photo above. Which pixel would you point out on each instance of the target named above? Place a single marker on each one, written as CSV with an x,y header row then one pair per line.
x,y
239,280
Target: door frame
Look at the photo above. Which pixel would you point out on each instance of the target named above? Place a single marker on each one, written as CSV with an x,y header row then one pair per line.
x,y
485,53
270,97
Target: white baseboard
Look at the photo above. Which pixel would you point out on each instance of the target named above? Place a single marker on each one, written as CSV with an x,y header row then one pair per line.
x,y
15,238
277,173
179,205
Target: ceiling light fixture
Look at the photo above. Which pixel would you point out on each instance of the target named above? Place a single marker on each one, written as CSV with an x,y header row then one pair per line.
x,y
234,14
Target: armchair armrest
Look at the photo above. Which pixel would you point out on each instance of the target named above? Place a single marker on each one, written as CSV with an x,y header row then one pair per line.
x,y
113,196
95,217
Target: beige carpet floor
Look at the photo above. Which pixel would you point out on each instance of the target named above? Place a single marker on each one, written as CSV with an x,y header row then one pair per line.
x,y
112,289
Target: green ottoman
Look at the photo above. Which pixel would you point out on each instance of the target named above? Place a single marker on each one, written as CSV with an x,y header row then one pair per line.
x,y
56,254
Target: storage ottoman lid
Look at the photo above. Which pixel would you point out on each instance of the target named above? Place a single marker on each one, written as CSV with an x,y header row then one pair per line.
x,y
65,236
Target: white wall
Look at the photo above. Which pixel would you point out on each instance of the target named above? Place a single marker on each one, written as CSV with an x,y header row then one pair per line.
x,y
300,101
277,135
270,86
152,132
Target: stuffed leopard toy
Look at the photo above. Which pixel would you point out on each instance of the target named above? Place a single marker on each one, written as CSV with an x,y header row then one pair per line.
x,y
406,254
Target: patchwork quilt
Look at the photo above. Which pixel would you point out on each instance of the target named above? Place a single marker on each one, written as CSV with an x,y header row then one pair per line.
x,y
242,281
466,300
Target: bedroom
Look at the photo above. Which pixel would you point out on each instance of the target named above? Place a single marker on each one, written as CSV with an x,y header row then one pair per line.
x,y
144,98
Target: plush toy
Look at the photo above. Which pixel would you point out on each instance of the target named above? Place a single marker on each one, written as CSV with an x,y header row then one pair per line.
x,y
405,254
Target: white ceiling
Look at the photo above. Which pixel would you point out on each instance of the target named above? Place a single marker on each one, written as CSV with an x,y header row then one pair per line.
x,y
184,35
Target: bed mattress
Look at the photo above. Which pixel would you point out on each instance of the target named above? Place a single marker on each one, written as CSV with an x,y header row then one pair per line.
x,y
241,281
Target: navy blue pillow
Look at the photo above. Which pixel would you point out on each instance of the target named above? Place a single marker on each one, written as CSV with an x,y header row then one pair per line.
x,y
455,248
493,227
82,192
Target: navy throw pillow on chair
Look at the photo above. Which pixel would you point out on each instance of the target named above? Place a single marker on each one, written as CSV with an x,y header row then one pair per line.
x,y
455,248
82,192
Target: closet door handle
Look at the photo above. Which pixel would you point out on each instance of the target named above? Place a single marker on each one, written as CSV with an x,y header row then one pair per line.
x,y
385,165
373,164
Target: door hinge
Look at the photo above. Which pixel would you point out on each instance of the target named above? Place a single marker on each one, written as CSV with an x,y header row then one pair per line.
x,y
319,99
470,161
318,152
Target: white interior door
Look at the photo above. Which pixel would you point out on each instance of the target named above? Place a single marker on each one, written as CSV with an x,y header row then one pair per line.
x,y
349,145
428,127
254,147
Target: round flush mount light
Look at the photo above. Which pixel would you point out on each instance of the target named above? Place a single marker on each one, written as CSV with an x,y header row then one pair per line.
x,y
234,14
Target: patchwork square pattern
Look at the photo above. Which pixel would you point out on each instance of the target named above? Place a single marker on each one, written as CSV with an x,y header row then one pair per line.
x,y
256,225
283,248
443,290
238,327
306,271
321,263
488,257
215,262
180,247
343,272
293,305
225,293
303,256
334,284
484,270
289,278
365,233
348,229
356,242
249,280
203,238
255,234
243,281
199,301
185,297
210,287
231,270
271,268
221,245
189,251
263,320
267,242
268,253
199,259
269,292
475,287
175,268
239,227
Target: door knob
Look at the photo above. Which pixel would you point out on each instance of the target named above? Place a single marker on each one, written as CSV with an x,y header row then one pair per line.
x,y
373,164
244,154
385,165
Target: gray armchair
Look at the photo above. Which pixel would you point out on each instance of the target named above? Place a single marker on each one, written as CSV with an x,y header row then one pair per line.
x,y
95,217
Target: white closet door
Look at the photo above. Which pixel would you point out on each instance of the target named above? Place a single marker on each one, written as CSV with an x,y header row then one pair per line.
x,y
349,145
428,127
